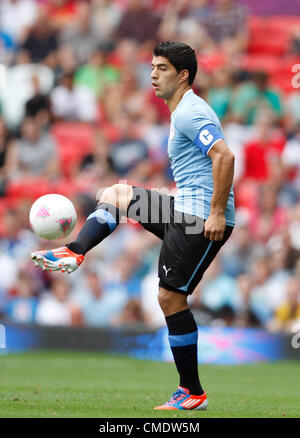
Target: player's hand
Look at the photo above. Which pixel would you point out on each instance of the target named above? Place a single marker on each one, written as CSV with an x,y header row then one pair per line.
x,y
214,227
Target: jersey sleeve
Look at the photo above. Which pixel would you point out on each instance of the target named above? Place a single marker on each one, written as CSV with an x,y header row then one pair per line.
x,y
201,131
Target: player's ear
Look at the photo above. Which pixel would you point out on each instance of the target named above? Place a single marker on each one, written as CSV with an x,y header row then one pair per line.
x,y
184,76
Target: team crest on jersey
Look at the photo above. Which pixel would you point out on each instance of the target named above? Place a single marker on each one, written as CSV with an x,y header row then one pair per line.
x,y
172,131
65,224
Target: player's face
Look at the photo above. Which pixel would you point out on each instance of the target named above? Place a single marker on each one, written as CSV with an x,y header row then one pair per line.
x,y
165,79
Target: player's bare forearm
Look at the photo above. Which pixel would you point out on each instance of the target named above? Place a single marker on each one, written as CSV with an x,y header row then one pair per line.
x,y
222,170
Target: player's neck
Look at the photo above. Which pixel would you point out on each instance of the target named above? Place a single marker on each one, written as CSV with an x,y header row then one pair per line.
x,y
176,98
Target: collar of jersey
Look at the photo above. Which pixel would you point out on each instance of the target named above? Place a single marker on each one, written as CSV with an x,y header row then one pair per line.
x,y
187,92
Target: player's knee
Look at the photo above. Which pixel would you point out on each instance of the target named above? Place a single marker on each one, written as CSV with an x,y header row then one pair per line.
x,y
171,302
118,195
163,299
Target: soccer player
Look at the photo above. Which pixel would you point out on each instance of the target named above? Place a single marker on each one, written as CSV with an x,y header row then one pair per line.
x,y
193,225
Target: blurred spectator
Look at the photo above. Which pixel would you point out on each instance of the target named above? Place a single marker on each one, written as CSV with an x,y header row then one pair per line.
x,y
15,246
245,316
106,15
71,102
252,96
186,21
129,156
100,304
294,227
200,10
138,23
132,314
96,74
292,106
279,276
61,12
174,14
267,217
6,157
266,145
16,16
19,88
237,254
35,152
227,24
41,40
291,159
17,241
66,61
288,313
219,94
95,165
259,305
126,272
129,57
38,106
237,135
218,293
295,40
153,133
283,241
79,35
125,96
56,308
21,306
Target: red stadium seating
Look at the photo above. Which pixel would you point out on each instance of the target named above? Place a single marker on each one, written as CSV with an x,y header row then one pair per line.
x,y
276,45
31,188
269,49
283,81
271,35
74,141
254,62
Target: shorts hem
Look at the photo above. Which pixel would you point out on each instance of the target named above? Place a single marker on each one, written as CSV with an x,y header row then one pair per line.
x,y
172,288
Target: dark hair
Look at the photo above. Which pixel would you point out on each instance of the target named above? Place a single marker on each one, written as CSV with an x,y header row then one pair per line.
x,y
180,55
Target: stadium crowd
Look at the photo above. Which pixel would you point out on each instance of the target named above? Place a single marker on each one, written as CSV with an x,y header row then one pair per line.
x,y
78,114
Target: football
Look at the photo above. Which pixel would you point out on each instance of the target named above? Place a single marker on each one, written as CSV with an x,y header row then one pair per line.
x,y
52,217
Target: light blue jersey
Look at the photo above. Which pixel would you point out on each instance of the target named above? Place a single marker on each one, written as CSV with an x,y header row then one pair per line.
x,y
194,130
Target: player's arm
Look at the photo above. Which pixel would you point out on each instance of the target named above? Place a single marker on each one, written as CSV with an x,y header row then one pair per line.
x,y
222,172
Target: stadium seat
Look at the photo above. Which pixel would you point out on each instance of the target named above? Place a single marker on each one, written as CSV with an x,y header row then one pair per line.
x,y
283,81
262,44
74,141
31,188
271,35
253,62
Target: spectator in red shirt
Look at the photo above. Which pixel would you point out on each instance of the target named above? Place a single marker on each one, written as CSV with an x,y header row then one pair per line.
x,y
267,144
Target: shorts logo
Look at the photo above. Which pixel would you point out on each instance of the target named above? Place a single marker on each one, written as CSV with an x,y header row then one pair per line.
x,y
166,270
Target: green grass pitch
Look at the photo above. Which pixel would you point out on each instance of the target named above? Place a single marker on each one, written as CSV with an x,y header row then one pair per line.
x,y
79,384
